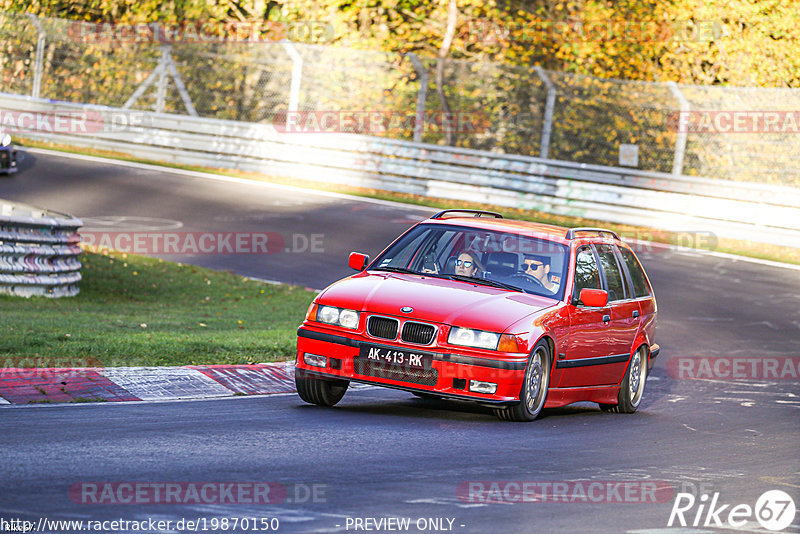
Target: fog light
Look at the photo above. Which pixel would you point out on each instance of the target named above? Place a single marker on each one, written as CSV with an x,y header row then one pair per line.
x,y
315,359
482,387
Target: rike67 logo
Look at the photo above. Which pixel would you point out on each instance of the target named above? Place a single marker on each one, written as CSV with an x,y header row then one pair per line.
x,y
774,510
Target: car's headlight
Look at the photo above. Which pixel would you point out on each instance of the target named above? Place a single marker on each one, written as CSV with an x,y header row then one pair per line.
x,y
473,338
5,139
338,316
482,339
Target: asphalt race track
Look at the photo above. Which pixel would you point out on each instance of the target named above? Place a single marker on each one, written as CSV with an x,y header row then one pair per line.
x,y
382,454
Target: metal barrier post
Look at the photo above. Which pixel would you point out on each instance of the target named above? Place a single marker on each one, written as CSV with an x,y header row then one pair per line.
x,y
548,111
422,94
173,70
37,70
297,74
166,65
161,92
680,140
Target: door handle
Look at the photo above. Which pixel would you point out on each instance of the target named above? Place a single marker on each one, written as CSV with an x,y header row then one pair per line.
x,y
606,318
636,314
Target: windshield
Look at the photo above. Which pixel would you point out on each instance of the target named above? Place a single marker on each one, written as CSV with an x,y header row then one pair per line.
x,y
500,259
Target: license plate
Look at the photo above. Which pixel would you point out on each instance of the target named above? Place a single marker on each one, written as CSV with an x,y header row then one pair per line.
x,y
396,357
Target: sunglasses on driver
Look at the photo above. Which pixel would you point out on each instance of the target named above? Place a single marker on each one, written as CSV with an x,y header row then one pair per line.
x,y
532,265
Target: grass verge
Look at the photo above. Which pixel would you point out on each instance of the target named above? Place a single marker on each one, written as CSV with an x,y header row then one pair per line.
x,y
133,310
700,241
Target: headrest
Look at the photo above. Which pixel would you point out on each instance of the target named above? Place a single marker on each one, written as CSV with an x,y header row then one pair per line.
x,y
501,263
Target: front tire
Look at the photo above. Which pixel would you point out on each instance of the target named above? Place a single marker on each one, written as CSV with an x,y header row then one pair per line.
x,y
533,394
631,390
319,391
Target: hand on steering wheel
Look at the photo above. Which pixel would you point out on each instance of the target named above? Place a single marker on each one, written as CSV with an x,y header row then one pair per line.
x,y
528,278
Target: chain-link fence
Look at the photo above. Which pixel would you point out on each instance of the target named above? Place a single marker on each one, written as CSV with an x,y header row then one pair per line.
x,y
749,134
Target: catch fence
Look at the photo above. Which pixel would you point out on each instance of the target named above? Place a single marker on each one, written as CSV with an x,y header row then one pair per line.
x,y
728,133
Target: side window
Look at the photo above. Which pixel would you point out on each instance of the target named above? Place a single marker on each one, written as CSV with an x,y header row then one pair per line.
x,y
614,283
433,254
401,256
640,287
587,274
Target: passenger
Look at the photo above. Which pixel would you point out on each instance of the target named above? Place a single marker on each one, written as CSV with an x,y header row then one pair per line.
x,y
467,265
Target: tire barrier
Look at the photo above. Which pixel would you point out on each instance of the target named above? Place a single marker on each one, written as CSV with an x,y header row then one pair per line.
x,y
39,252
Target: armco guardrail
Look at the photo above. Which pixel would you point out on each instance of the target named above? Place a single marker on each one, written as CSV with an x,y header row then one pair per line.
x,y
741,210
38,252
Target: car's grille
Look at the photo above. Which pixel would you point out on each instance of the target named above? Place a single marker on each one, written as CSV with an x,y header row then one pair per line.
x,y
419,333
382,327
427,377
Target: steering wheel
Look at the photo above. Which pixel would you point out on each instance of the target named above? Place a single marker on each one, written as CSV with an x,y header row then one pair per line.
x,y
528,278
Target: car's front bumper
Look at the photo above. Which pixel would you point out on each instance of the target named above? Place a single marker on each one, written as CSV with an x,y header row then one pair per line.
x,y
449,375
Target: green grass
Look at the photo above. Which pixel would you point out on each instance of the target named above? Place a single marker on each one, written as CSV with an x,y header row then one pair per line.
x,y
731,246
134,310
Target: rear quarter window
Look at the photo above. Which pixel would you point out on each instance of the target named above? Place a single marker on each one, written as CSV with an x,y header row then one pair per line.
x,y
640,286
613,272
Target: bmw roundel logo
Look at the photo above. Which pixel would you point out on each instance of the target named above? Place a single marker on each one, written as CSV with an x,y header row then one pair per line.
x,y
406,309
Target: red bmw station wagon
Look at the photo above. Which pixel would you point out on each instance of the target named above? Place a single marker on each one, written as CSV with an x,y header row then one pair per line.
x,y
468,305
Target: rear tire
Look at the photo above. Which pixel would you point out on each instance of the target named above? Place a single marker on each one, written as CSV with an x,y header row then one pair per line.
x,y
319,391
534,387
631,390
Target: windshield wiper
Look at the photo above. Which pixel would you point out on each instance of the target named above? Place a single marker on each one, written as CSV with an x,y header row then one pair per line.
x,y
484,281
396,270
459,277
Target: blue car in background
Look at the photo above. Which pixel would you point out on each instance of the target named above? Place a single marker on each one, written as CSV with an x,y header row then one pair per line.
x,y
8,154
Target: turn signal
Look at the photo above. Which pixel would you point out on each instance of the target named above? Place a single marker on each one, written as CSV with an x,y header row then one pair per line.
x,y
508,343
311,314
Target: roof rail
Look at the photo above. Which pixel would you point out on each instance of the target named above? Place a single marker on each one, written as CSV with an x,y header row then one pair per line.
x,y
476,213
602,231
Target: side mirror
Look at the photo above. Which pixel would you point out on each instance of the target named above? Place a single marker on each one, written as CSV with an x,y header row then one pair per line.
x,y
594,298
358,261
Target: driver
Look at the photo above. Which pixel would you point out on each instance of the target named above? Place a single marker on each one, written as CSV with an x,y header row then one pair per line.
x,y
539,267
